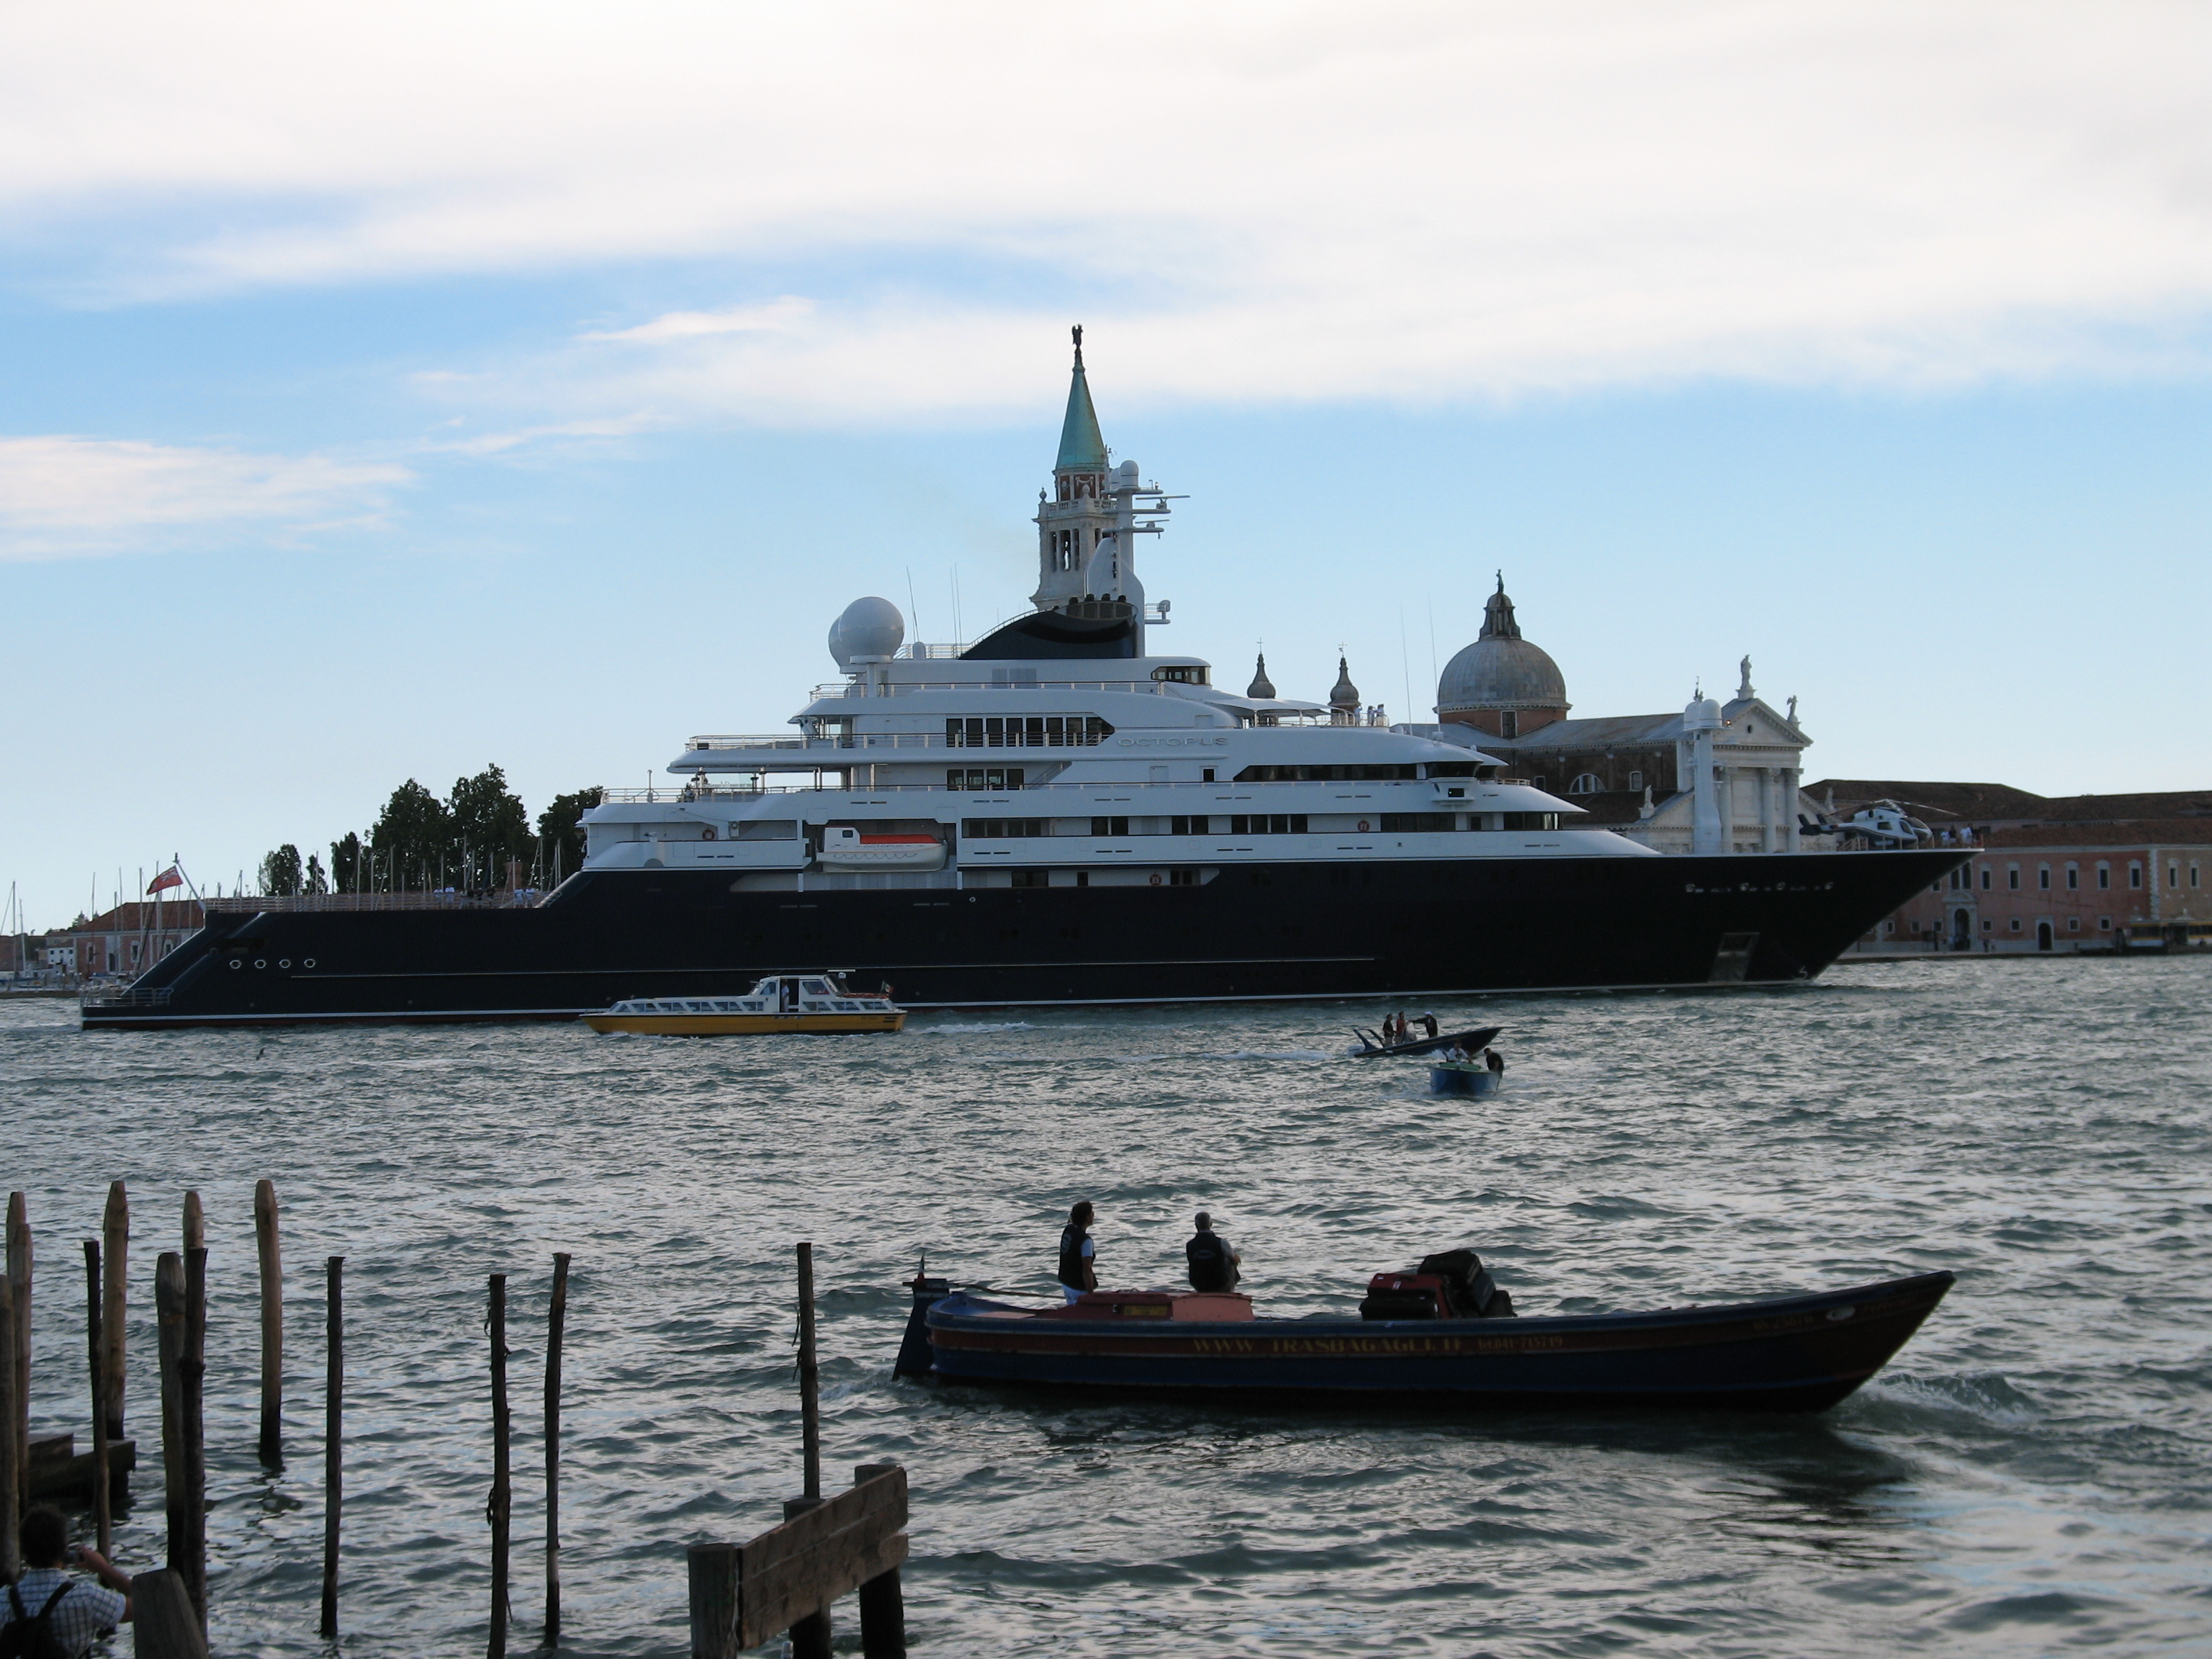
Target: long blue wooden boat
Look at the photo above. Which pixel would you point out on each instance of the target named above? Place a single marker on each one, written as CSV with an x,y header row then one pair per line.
x,y
1792,1353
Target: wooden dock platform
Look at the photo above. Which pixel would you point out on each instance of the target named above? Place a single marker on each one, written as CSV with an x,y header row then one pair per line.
x,y
59,1470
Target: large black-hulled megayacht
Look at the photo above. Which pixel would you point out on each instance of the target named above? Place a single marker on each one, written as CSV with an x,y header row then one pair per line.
x,y
1051,815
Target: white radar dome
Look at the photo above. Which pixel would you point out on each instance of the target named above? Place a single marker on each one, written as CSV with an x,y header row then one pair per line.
x,y
868,628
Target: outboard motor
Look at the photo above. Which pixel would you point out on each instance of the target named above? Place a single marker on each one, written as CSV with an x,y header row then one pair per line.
x,y
915,1357
1450,1284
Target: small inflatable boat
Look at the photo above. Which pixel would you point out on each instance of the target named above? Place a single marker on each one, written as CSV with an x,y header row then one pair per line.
x,y
1463,1077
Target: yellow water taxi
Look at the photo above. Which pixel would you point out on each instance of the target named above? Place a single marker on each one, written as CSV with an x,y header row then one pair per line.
x,y
811,1004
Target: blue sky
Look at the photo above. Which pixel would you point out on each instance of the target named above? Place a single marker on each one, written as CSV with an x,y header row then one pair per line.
x,y
390,395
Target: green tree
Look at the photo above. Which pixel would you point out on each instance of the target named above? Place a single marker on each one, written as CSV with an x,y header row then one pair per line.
x,y
490,825
280,871
316,881
347,870
559,827
412,838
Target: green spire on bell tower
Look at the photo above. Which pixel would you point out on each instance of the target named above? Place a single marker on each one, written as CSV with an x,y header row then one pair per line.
x,y
1082,446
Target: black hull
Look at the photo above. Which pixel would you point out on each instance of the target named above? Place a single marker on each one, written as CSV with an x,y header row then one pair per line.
x,y
1800,1354
1265,932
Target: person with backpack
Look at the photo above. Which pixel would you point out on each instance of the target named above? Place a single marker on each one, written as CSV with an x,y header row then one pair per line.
x,y
1213,1265
48,1615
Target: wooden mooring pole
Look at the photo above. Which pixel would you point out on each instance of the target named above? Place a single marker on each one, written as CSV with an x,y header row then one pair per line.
x,y
19,1281
810,1376
883,1603
115,1255
192,1415
11,1511
499,1508
161,1614
333,1436
169,1324
183,1466
195,1223
556,1322
269,1248
810,1637
103,1521
742,1595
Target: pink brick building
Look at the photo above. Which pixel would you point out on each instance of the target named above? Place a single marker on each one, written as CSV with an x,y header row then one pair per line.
x,y
2061,887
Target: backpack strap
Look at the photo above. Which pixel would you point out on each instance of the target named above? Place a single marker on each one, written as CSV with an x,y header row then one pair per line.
x,y
15,1601
53,1601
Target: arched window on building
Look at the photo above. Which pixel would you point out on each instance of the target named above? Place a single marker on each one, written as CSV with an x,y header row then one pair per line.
x,y
2104,876
1585,784
2043,877
1509,725
1636,779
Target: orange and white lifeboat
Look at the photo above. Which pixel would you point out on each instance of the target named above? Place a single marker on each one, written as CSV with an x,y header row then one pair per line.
x,y
844,847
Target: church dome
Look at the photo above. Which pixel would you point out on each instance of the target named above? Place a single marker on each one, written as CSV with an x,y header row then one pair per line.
x,y
1501,670
1262,689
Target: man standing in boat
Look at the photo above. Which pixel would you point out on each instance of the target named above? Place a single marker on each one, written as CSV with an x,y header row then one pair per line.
x,y
1079,1264
1213,1265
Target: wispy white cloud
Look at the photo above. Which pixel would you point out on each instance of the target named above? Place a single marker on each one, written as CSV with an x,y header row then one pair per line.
x,y
778,317
1266,202
63,496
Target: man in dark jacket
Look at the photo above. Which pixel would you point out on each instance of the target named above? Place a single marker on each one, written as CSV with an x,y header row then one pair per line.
x,y
1078,1256
1213,1265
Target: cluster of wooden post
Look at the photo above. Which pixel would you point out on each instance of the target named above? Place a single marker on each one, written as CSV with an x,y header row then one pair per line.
x,y
169,1604
741,1596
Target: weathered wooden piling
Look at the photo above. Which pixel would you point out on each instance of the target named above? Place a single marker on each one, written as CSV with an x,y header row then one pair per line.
x,y
169,1332
19,1281
556,1321
810,1376
195,1223
269,1247
333,1436
786,1578
162,1617
498,1508
883,1601
115,1253
809,1632
103,1519
11,1471
179,1402
192,1419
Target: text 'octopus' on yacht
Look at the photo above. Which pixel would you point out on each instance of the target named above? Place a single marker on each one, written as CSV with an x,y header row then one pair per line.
x,y
1058,812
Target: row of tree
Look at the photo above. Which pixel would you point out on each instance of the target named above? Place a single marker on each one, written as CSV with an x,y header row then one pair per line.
x,y
478,839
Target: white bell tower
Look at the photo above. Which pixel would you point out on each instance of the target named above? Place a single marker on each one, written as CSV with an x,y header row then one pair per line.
x,y
1087,523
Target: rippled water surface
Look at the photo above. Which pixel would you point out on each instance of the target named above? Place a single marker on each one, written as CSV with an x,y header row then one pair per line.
x,y
2030,1476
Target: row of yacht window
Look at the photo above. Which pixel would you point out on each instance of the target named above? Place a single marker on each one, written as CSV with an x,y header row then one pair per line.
x,y
1253,824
